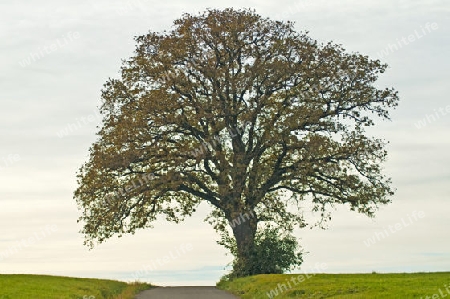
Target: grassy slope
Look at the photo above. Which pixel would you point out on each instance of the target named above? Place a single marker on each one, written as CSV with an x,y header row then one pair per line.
x,y
55,287
339,286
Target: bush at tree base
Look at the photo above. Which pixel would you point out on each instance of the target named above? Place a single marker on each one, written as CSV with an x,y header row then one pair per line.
x,y
275,252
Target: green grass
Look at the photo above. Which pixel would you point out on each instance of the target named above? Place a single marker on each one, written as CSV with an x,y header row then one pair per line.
x,y
56,287
339,286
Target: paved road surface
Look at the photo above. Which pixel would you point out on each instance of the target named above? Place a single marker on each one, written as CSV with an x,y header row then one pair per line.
x,y
185,293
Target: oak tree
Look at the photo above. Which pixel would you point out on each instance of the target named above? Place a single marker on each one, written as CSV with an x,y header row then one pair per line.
x,y
241,112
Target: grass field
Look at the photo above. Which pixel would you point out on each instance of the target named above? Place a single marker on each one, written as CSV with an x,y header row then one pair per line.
x,y
55,287
339,286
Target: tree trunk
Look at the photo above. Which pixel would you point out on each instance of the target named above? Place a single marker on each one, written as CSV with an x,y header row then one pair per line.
x,y
244,234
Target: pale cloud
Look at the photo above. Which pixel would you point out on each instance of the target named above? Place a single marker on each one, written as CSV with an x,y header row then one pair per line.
x,y
63,86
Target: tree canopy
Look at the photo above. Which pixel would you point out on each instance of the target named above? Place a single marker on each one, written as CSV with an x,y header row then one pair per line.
x,y
244,113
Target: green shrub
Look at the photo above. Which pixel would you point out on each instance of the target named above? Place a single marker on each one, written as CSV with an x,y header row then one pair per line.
x,y
275,252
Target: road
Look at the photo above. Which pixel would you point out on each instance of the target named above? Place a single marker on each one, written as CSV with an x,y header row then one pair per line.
x,y
185,293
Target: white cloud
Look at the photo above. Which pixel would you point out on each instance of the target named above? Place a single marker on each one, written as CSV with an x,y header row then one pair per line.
x,y
40,99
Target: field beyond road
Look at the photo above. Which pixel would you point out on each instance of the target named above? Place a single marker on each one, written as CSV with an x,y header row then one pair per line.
x,y
336,286
340,286
56,287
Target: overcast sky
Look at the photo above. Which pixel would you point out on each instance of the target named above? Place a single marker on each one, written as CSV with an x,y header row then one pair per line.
x,y
55,57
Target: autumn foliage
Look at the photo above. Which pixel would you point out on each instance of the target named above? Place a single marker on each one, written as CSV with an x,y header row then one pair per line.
x,y
244,113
